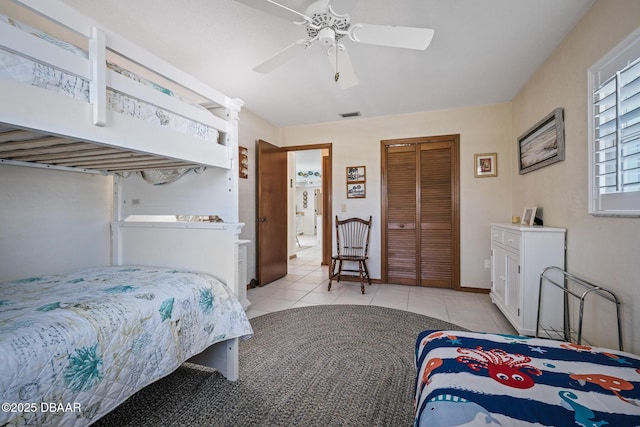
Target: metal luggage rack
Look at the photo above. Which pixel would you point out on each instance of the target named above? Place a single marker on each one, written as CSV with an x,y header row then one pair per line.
x,y
583,288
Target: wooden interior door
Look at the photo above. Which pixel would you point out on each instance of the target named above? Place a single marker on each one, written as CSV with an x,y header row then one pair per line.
x,y
326,211
420,210
272,213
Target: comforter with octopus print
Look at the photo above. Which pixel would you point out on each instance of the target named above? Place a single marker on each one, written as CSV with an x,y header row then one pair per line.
x,y
480,379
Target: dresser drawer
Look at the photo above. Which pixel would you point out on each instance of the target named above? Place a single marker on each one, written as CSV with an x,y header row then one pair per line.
x,y
512,240
496,235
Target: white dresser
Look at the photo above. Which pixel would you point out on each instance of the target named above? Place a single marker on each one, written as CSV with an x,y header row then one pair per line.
x,y
519,254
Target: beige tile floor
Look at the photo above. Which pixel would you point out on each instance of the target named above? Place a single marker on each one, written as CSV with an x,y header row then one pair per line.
x,y
306,284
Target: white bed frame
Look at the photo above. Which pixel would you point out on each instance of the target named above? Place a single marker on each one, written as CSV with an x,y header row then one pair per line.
x,y
28,111
33,108
202,247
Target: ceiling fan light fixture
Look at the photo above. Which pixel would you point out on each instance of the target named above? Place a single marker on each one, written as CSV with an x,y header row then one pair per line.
x,y
327,36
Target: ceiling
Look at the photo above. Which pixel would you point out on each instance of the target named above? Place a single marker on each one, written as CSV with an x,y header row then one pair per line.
x,y
482,52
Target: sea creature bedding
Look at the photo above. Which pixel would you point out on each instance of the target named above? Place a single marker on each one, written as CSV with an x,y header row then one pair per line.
x,y
24,70
478,379
74,346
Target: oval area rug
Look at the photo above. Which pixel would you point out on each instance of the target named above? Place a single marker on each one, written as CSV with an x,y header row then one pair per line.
x,y
327,365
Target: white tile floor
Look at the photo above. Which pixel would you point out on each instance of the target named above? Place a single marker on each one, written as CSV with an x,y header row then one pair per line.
x,y
306,284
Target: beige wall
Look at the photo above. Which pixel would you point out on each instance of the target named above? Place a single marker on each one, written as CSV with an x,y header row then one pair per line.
x,y
604,250
483,129
52,221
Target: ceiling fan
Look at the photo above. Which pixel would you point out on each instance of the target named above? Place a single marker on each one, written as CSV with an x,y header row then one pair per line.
x,y
328,22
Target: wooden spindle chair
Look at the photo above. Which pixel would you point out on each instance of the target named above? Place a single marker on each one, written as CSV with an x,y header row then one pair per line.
x,y
352,240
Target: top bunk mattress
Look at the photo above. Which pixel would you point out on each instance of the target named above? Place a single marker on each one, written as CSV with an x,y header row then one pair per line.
x,y
24,70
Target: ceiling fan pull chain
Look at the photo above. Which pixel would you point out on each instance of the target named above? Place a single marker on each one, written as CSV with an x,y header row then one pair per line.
x,y
337,76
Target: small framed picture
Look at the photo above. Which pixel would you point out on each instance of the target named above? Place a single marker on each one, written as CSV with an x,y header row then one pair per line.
x,y
486,165
356,174
356,190
528,216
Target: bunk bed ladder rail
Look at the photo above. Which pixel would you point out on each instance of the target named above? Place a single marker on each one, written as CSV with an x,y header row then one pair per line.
x,y
98,84
588,288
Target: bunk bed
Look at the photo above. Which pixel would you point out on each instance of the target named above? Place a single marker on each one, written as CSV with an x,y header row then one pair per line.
x,y
77,97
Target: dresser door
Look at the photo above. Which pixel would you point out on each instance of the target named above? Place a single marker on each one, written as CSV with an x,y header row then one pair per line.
x,y
513,286
498,273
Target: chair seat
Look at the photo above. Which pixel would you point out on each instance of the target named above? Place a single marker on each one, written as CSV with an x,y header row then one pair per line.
x,y
350,257
352,239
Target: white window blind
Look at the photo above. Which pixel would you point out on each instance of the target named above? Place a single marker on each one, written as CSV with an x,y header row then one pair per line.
x,y
614,134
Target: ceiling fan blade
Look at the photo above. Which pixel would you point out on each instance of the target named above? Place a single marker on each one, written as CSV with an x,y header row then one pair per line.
x,y
387,35
342,7
283,56
276,9
347,76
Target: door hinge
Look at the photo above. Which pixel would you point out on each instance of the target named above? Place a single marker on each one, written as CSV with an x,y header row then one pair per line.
x,y
518,269
518,312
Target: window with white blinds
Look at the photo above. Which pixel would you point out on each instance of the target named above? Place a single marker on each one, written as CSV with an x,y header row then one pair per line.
x,y
614,131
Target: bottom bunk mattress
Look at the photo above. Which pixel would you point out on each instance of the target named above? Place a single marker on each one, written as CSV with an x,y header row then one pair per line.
x,y
473,379
74,346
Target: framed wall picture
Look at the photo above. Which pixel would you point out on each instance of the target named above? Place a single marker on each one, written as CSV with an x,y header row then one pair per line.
x,y
243,158
543,144
356,190
486,165
528,216
356,174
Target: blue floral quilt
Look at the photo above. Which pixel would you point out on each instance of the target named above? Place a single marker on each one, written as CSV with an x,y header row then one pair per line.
x,y
74,346
478,379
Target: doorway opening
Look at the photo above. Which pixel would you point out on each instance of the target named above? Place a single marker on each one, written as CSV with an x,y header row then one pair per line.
x,y
309,210
307,198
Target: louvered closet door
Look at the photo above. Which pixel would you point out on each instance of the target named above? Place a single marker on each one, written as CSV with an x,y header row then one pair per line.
x,y
436,215
401,214
421,211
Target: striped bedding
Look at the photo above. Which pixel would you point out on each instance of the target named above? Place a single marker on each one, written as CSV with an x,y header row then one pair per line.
x,y
478,379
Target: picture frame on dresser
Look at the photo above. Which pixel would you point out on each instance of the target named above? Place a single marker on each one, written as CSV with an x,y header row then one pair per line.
x,y
528,216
